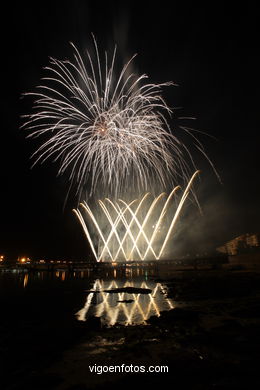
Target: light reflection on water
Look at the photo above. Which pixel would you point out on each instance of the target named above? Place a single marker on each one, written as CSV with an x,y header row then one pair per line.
x,y
25,280
23,277
112,308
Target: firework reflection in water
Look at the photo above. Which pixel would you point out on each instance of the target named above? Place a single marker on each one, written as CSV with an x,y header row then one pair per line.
x,y
124,308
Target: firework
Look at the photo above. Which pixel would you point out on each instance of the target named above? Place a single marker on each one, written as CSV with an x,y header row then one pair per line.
x,y
132,231
108,129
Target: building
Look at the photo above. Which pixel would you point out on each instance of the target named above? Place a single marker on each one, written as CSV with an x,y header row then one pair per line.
x,y
241,244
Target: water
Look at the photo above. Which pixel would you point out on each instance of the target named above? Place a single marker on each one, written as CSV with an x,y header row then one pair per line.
x,y
123,307
43,314
48,297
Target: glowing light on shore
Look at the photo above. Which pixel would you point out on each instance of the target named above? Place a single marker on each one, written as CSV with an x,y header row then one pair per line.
x,y
24,260
132,231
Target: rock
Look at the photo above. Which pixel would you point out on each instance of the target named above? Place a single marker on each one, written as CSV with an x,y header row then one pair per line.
x,y
126,301
129,290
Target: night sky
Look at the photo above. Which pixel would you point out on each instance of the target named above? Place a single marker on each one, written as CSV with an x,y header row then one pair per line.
x,y
211,53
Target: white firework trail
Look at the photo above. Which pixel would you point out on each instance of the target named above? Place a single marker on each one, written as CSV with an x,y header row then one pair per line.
x,y
132,231
106,128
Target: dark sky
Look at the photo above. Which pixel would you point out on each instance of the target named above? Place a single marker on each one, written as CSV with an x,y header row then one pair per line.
x,y
211,53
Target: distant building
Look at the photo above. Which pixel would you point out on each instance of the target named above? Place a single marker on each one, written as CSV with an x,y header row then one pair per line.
x,y
241,244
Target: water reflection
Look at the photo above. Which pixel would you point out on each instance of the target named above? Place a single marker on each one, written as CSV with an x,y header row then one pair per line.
x,y
25,277
124,308
25,280
118,307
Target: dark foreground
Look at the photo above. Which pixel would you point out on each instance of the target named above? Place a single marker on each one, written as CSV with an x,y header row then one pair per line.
x,y
210,340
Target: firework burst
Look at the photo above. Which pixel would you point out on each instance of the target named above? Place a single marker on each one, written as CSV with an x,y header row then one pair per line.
x,y
105,129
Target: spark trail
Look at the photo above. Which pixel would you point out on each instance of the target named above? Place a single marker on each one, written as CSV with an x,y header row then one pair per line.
x,y
125,231
106,128
110,132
